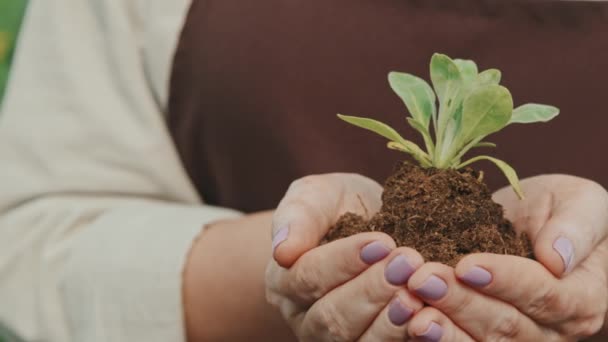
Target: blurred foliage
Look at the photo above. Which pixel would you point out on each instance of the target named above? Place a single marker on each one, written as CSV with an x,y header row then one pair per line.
x,y
5,334
11,14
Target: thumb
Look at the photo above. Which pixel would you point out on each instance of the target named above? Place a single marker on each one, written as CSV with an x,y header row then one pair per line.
x,y
312,205
578,222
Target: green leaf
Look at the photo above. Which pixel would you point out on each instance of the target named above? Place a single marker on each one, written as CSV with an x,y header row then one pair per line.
x,y
428,140
508,171
450,147
412,149
488,77
485,111
533,112
448,83
450,134
374,126
452,128
397,142
468,69
417,95
485,144
445,76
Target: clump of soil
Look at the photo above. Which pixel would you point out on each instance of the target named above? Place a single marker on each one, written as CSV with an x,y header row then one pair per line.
x,y
443,214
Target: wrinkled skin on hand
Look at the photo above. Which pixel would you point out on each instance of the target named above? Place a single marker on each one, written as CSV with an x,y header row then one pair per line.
x,y
329,293
346,290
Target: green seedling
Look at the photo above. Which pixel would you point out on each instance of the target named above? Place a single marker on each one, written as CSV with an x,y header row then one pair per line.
x,y
464,107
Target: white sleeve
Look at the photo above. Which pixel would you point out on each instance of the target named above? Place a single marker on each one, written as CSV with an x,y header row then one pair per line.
x,y
96,212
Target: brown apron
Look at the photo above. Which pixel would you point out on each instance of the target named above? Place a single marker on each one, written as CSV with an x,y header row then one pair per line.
x,y
256,86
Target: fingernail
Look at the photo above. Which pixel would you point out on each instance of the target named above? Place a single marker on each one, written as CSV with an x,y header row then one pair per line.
x,y
374,252
433,288
477,277
565,248
398,271
398,314
279,237
433,333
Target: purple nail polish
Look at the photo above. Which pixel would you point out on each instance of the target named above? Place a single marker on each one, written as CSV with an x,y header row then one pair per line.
x,y
279,237
398,271
477,277
433,333
374,252
434,288
565,248
398,314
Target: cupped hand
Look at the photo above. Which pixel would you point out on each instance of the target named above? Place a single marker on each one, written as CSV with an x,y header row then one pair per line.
x,y
349,289
562,297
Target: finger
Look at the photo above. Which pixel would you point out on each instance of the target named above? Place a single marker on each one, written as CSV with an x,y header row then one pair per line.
x,y
347,311
522,282
570,305
324,268
578,223
565,216
391,323
431,325
480,316
312,205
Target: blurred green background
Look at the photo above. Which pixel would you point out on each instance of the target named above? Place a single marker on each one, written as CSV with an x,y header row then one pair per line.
x,y
11,13
7,336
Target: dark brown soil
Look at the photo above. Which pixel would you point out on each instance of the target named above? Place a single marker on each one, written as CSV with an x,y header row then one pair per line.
x,y
443,214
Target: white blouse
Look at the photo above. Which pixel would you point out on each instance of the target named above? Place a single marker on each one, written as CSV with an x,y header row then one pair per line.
x,y
96,212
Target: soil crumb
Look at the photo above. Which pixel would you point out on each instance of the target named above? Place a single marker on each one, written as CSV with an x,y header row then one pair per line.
x,y
443,214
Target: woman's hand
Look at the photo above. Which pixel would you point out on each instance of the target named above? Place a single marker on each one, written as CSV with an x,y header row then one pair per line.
x,y
513,298
349,289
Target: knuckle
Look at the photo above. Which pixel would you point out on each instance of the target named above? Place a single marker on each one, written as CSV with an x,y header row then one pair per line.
x,y
330,324
449,305
597,189
273,299
306,281
376,292
271,274
588,322
274,278
507,327
311,181
587,327
364,183
298,183
549,303
273,289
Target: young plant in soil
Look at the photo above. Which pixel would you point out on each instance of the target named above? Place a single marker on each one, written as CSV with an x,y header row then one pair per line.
x,y
441,207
